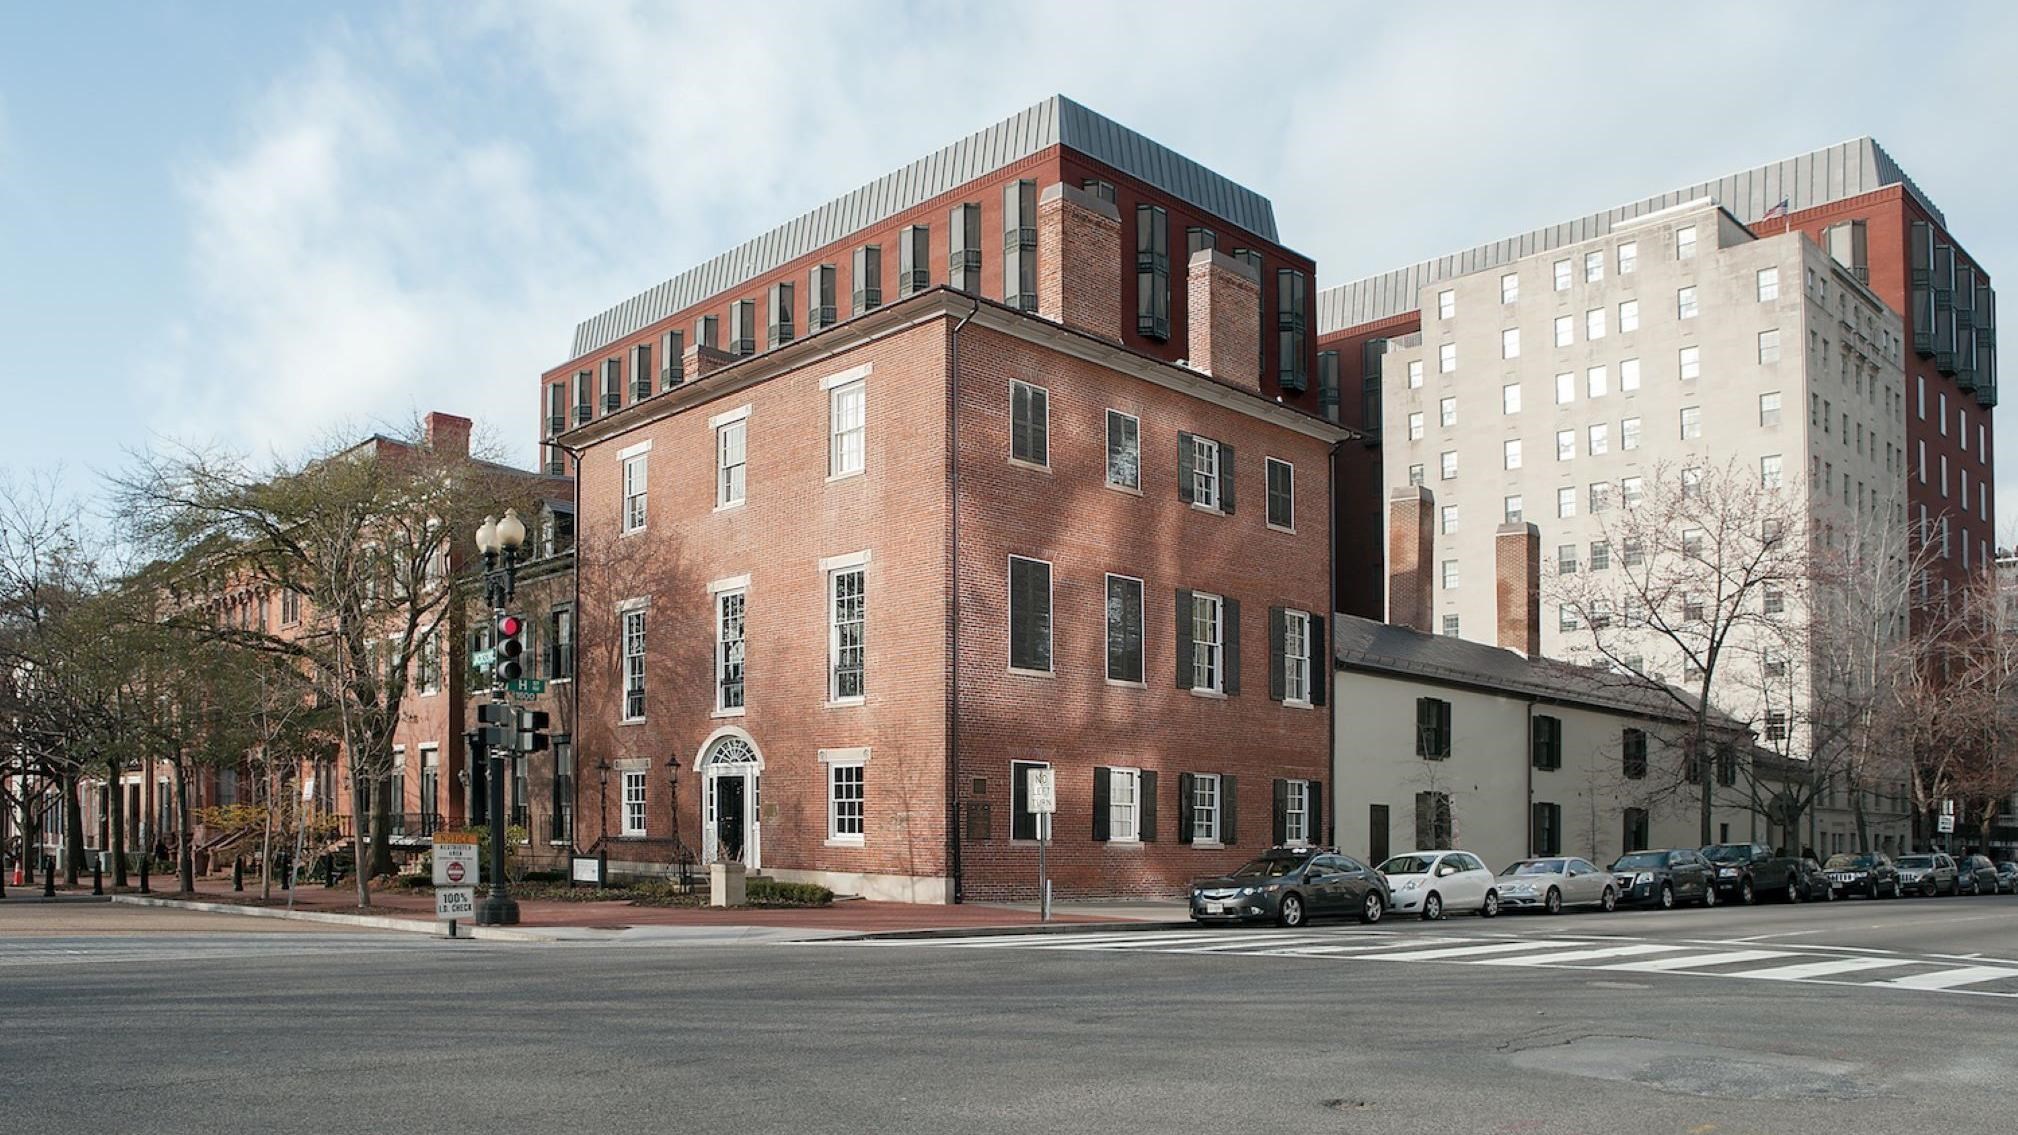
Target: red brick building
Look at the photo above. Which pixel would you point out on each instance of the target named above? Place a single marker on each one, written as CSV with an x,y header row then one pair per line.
x,y
839,592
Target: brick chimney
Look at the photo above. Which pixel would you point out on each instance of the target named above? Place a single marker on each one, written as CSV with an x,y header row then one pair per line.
x,y
701,361
1517,586
1411,544
447,434
1224,325
1079,261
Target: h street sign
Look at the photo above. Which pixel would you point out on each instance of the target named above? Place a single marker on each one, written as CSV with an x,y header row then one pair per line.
x,y
528,686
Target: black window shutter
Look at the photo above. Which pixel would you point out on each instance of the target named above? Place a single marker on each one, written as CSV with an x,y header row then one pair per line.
x,y
1226,478
1277,681
1320,662
1146,793
1229,811
1280,813
1022,825
1102,797
1422,727
1317,812
1230,631
1443,729
1537,817
1185,799
1183,638
1184,467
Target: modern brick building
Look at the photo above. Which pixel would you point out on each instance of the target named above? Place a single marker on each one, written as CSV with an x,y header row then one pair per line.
x,y
842,586
1859,206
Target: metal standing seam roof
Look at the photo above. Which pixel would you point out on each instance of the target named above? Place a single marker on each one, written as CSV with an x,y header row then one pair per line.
x,y
1819,177
1055,121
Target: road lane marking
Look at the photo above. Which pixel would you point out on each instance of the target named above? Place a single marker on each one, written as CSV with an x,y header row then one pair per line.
x,y
1697,961
1454,953
1949,978
1582,955
1830,968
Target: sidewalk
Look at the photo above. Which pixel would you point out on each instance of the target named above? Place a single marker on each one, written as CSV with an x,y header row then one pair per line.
x,y
550,919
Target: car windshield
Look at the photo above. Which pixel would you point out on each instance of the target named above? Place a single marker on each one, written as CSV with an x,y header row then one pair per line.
x,y
1642,861
1916,861
1728,852
1840,861
1535,867
1271,867
1408,865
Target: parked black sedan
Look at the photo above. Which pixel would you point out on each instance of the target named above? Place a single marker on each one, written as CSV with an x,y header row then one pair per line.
x,y
1814,883
1870,874
1290,886
2007,878
1663,878
1975,875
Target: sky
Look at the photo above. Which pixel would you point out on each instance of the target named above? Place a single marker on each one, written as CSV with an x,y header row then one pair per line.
x,y
252,224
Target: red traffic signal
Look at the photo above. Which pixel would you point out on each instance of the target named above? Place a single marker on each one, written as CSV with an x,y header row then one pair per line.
x,y
510,645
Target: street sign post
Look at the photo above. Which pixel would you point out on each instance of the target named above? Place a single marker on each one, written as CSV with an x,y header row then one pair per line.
x,y
1945,824
1043,796
452,904
456,873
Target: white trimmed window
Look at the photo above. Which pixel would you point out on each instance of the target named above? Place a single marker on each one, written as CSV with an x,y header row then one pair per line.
x,y
847,801
1629,433
1124,802
730,609
1447,520
1296,657
1446,412
1511,508
1566,445
1414,374
1599,438
1296,812
1450,575
1207,641
1566,330
1769,284
1204,472
1510,343
1415,425
1562,275
847,592
1629,316
1769,471
1124,450
1690,361
847,424
1692,422
731,456
1446,358
1685,303
1510,287
634,492
1769,346
1446,304
1205,808
634,664
1510,398
1566,501
1629,375
1594,265
1447,464
1594,323
1629,257
1566,388
1596,382
1769,408
634,802
1510,453
1685,242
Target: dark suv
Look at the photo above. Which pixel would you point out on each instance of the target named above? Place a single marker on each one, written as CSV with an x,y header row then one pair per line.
x,y
1870,874
1663,878
1744,871
1290,886
1975,875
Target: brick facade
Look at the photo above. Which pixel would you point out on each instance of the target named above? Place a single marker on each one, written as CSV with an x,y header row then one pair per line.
x,y
1225,340
1410,547
1517,586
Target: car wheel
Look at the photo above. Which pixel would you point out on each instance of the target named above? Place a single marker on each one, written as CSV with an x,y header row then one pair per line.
x,y
1746,894
1371,910
1610,901
1931,890
1489,908
1290,913
1667,896
1554,902
1794,891
1432,907
1710,895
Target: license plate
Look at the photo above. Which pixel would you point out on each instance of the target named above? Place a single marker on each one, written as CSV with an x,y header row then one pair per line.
x,y
1215,908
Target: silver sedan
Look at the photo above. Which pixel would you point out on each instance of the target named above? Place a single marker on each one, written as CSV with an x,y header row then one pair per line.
x,y
1553,883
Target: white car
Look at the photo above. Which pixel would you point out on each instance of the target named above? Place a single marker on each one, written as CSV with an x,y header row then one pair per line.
x,y
1556,882
1433,883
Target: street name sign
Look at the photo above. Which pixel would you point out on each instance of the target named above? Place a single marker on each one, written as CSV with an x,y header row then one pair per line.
x,y
482,658
527,686
455,860
453,904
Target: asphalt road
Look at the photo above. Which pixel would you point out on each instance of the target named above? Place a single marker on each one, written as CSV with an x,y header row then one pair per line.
x,y
385,1032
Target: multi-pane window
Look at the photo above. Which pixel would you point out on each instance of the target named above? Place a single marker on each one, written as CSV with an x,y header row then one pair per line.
x,y
731,460
1511,508
1296,811
730,609
613,385
1447,464
1510,453
1629,256
1510,398
1769,346
1450,575
1296,657
1450,626
427,663
1415,475
848,639
1446,409
1594,265
1432,729
1281,494
1446,304
778,313
1629,375
1629,433
1566,501
1510,343
1692,482
1415,374
1594,323
1207,622
634,802
1124,804
1566,559
1562,275
1601,555
1207,488
1510,287
1690,361
1769,284
963,247
1599,437
634,492
1029,614
1629,316
1692,422
1029,423
867,276
634,664
1685,242
1415,425
1596,382
743,327
1205,798
914,259
1566,445
1124,629
1685,303
1446,358
1292,301
708,332
585,407
822,307
847,424
1198,238
1769,471
846,801
1566,330
1124,450
641,372
1152,271
1447,520
1566,388
1769,408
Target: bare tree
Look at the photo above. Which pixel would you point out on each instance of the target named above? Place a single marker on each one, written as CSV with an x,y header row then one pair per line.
x,y
1706,566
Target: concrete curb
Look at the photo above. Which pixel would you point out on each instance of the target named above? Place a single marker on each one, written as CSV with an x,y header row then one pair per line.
x,y
373,921
1037,928
38,896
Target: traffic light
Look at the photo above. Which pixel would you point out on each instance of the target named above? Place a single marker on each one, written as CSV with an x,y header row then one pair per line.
x,y
530,730
496,723
511,644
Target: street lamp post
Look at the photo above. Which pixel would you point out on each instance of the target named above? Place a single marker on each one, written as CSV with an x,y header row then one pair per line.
x,y
499,541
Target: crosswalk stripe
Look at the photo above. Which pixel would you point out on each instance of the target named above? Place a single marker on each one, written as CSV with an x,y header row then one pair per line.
x,y
1217,948
1949,978
1149,941
1696,961
1580,955
993,941
1361,949
1455,952
1830,968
